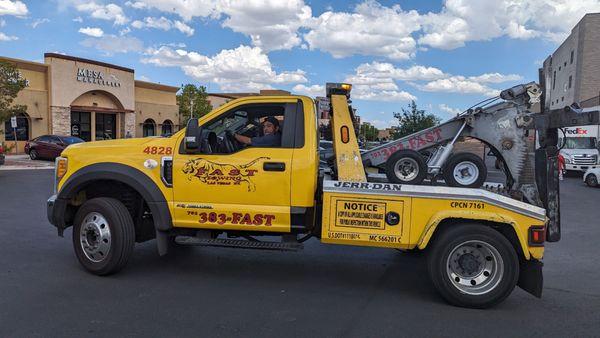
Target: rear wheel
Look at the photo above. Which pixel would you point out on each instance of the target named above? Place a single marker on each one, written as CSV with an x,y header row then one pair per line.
x,y
103,235
465,170
406,167
591,180
33,154
472,265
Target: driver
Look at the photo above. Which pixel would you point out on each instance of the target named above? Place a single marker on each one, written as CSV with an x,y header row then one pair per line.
x,y
271,137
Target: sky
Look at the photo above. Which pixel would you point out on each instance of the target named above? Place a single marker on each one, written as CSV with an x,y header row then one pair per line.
x,y
444,55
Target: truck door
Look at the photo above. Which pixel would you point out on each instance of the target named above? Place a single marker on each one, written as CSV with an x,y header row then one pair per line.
x,y
245,188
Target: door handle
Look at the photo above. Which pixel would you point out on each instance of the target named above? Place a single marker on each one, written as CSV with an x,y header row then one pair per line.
x,y
274,166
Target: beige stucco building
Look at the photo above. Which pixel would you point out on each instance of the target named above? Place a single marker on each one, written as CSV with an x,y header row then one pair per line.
x,y
92,100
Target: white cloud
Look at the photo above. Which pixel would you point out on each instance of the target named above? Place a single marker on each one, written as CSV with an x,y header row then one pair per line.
x,y
2,22
38,22
312,91
92,31
143,78
78,19
136,4
379,80
15,8
111,44
4,37
187,9
452,111
124,31
164,24
241,69
461,21
458,84
270,24
109,12
372,29
367,93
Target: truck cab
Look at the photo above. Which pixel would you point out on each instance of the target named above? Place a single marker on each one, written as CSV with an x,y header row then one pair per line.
x,y
580,148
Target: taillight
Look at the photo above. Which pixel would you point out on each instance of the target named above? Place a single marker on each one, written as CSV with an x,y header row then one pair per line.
x,y
537,235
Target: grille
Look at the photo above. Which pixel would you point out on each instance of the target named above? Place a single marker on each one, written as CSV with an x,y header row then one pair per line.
x,y
581,159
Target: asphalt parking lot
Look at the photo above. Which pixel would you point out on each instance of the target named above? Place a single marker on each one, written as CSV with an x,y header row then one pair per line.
x,y
325,290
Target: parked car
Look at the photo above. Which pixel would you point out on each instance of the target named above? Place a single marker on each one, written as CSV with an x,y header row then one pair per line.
x,y
1,154
591,177
49,146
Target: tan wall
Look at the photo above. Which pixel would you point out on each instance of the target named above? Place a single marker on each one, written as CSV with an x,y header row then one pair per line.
x,y
96,99
157,112
148,95
216,101
66,88
37,80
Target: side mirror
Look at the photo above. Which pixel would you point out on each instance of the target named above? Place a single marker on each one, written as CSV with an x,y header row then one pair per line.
x,y
192,136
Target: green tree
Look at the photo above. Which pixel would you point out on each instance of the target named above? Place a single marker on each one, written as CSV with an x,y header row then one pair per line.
x,y
412,120
192,98
368,132
11,83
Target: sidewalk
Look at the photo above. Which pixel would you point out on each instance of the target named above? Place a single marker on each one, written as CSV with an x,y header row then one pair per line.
x,y
23,162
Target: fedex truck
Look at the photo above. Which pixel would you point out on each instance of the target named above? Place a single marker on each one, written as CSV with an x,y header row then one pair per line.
x,y
580,147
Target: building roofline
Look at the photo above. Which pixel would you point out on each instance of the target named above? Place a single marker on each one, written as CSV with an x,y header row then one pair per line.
x,y
157,86
26,64
93,62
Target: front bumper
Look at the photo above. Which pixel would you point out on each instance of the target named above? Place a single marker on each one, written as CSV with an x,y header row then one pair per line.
x,y
581,167
55,211
50,209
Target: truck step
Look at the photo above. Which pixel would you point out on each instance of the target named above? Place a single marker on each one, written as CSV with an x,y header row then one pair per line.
x,y
239,243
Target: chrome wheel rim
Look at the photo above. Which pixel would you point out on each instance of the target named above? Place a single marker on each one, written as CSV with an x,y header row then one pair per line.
x,y
406,169
475,267
95,237
466,173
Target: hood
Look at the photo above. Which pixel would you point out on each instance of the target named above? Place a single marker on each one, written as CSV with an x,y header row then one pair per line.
x,y
579,151
117,144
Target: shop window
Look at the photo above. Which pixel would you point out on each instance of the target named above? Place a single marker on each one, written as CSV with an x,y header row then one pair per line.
x,y
22,129
167,127
149,128
81,126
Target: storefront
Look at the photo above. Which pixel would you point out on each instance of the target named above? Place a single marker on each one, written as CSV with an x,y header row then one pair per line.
x,y
92,100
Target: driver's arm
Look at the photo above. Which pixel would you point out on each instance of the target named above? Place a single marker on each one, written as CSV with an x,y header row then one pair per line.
x,y
242,139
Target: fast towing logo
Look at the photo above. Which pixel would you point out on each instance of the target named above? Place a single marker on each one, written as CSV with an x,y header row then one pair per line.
x,y
213,173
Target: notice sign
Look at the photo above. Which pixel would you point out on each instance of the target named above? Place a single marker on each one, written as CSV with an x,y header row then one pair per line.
x,y
13,122
363,214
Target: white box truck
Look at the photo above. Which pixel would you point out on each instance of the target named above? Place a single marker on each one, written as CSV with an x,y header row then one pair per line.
x,y
580,147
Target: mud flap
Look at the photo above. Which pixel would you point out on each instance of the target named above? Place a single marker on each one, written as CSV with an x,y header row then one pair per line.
x,y
531,278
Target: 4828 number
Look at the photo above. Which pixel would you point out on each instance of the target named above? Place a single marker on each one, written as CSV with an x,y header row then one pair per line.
x,y
158,150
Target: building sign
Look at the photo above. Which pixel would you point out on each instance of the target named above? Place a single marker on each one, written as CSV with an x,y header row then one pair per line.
x,y
97,77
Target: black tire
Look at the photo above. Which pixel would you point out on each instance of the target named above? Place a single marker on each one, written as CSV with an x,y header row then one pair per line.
x,y
591,180
410,157
439,265
460,159
33,154
121,239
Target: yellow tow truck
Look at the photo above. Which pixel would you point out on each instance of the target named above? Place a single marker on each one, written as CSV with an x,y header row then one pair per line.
x,y
203,186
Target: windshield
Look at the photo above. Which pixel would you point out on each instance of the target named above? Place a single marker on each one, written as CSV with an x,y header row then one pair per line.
x,y
71,140
580,143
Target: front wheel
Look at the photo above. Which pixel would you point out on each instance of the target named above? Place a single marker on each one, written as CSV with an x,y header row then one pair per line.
x,y
103,235
472,265
33,154
591,180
